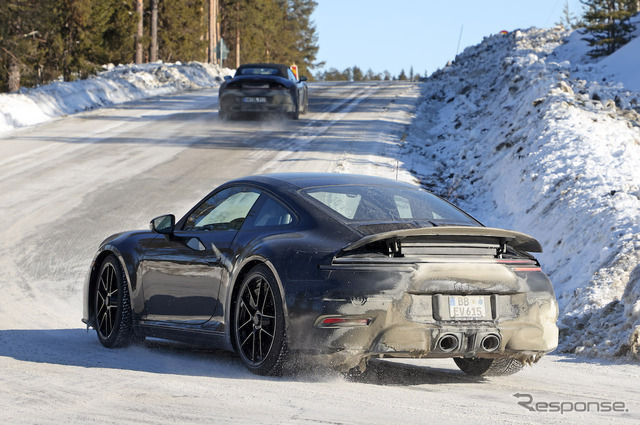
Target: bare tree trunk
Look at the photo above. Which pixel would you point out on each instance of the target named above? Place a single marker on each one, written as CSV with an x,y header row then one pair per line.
x,y
140,33
237,35
14,75
218,37
154,31
213,34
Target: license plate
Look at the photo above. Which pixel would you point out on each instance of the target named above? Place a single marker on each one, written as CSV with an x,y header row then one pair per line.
x,y
254,100
467,307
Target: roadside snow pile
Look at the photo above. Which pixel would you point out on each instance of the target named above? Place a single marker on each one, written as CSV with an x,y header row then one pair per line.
x,y
117,84
527,134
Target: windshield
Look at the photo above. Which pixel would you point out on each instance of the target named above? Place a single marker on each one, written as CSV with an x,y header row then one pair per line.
x,y
358,203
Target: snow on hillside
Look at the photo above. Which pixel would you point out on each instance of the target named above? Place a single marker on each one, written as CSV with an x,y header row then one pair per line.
x,y
117,84
527,133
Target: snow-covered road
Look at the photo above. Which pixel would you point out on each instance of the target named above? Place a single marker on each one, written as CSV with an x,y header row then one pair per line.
x,y
67,184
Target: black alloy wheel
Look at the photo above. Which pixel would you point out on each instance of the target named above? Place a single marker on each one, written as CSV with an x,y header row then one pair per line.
x,y
259,323
112,308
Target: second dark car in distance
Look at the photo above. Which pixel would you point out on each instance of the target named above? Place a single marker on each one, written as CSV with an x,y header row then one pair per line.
x,y
263,87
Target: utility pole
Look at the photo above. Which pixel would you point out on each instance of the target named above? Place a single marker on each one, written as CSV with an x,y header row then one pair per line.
x,y
139,34
153,56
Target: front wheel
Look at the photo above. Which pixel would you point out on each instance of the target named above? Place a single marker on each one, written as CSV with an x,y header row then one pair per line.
x,y
111,305
489,367
305,105
296,109
259,323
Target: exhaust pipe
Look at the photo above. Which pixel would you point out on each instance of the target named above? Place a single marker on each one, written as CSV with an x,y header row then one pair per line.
x,y
448,343
490,342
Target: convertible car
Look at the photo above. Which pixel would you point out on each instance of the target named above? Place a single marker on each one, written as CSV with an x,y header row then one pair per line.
x,y
263,87
334,268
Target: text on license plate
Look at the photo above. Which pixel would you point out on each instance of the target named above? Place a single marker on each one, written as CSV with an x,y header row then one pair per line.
x,y
254,100
467,307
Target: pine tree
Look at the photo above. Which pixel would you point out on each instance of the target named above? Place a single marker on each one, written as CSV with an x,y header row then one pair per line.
x,y
71,45
270,31
181,30
402,75
356,74
23,29
608,25
112,29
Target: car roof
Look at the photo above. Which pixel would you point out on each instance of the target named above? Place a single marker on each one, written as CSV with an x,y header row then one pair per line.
x,y
306,180
278,66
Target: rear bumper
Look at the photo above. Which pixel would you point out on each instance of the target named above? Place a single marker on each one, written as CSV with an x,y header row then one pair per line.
x,y
402,319
274,101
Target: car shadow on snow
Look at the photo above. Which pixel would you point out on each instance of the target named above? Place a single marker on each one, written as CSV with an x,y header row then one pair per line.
x,y
77,348
382,372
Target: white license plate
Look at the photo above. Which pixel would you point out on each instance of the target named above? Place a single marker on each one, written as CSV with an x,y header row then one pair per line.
x,y
254,100
467,307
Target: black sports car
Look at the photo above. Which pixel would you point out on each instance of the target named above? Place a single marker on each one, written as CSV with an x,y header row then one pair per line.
x,y
263,87
332,267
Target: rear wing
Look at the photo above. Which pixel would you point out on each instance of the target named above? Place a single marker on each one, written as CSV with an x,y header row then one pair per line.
x,y
516,240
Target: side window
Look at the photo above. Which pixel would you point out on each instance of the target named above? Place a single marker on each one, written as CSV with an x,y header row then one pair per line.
x,y
291,76
226,210
404,207
345,204
272,213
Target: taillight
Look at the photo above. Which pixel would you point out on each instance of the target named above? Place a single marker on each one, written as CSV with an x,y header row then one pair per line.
x,y
343,321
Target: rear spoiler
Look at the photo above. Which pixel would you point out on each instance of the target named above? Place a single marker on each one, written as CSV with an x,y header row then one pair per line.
x,y
514,239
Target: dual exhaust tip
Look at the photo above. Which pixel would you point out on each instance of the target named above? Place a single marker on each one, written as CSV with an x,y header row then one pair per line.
x,y
451,342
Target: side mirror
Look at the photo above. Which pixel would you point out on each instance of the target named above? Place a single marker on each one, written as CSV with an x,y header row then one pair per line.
x,y
303,78
227,77
165,224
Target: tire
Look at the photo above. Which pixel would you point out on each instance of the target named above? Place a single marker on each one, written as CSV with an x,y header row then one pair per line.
x,y
296,113
112,306
305,105
223,114
259,331
489,367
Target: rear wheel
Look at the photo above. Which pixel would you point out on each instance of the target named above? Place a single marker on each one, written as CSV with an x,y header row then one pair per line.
x,y
259,323
489,367
111,305
223,114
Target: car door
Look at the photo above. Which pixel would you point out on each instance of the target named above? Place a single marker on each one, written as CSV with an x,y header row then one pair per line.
x,y
182,272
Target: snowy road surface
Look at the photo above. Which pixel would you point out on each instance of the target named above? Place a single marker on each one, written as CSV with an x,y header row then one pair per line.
x,y
66,185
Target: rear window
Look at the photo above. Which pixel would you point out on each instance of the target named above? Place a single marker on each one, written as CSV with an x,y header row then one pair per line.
x,y
258,71
388,204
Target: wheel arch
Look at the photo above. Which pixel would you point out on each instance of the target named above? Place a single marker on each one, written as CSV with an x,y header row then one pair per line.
x,y
93,278
242,270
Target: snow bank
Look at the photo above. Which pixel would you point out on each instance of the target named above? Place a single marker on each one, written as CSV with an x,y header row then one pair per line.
x,y
526,133
117,84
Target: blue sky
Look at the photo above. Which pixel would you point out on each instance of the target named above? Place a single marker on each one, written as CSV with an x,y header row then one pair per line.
x,y
392,35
